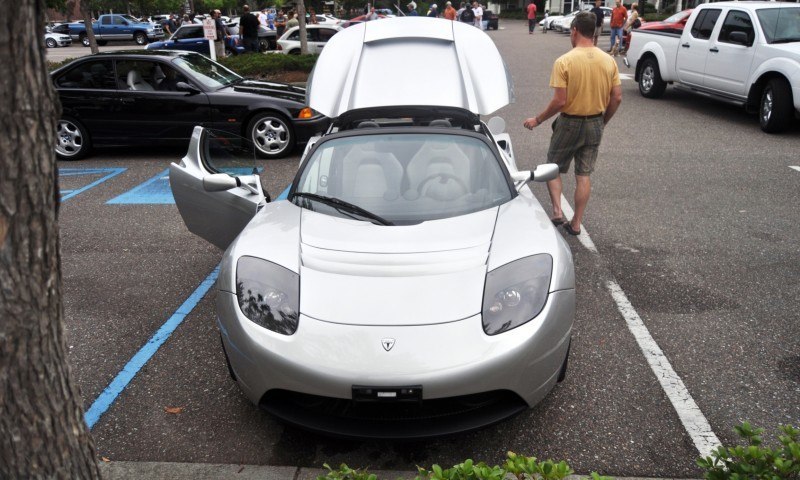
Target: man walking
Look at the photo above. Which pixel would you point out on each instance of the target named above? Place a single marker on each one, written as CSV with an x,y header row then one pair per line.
x,y
248,27
532,17
222,34
477,10
587,91
599,14
618,17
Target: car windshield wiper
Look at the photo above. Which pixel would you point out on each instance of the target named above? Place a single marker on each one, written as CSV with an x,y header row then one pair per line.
x,y
340,204
786,40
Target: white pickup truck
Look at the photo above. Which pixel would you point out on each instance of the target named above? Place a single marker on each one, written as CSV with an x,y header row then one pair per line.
x,y
746,53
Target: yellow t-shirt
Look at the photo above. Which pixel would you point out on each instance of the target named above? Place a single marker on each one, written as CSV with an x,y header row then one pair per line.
x,y
588,74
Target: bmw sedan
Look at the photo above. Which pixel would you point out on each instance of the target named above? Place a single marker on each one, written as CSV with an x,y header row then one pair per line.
x,y
158,97
409,284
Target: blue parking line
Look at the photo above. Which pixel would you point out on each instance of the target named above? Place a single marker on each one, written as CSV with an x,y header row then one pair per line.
x,y
71,172
123,378
284,194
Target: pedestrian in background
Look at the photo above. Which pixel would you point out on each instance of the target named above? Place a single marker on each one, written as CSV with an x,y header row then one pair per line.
x,y
531,17
248,30
222,34
477,10
433,12
466,15
618,17
449,11
587,92
632,22
599,14
280,23
312,16
293,21
412,9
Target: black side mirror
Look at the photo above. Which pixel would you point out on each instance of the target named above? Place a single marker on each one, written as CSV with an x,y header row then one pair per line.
x,y
739,38
185,87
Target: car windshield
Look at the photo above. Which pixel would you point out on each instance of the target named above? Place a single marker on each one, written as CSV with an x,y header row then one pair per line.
x,y
402,178
211,74
780,25
130,18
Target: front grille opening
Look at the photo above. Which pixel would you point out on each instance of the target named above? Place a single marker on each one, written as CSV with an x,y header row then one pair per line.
x,y
392,420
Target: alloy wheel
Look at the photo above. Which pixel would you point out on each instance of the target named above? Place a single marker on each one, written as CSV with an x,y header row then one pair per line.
x,y
69,139
647,78
766,106
271,135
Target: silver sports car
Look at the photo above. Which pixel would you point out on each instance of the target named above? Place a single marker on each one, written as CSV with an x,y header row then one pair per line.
x,y
409,284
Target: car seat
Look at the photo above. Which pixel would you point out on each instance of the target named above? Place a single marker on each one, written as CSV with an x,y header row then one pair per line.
x,y
439,170
367,173
158,76
135,82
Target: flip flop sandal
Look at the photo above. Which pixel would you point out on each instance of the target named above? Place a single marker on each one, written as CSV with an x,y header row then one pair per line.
x,y
558,221
570,230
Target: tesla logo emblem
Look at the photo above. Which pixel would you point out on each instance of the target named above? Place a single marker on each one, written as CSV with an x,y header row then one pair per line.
x,y
387,343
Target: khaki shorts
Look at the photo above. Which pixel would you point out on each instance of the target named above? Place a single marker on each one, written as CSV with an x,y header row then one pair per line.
x,y
577,138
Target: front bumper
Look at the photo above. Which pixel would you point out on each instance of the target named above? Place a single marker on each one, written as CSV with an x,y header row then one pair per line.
x,y
455,359
307,128
64,42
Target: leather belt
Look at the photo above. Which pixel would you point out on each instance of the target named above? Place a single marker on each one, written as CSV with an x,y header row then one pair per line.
x,y
583,117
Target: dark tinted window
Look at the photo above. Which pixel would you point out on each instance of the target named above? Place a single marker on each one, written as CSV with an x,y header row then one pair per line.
x,y
193,31
704,23
106,20
119,21
737,21
780,25
98,74
325,34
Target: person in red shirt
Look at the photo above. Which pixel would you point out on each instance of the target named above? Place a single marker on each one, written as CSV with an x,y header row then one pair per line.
x,y
531,18
618,17
449,11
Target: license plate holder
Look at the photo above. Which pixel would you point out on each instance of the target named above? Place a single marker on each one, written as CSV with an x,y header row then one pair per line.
x,y
407,393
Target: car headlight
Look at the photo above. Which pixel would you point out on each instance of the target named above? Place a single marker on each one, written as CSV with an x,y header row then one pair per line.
x,y
516,293
268,294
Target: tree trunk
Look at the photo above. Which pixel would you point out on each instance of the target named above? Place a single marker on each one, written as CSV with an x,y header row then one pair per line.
x,y
42,431
301,17
87,21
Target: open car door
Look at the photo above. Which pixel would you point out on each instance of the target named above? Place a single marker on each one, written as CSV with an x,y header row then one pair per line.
x,y
216,186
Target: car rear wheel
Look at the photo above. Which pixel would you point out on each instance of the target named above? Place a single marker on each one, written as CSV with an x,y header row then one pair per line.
x,y
271,134
296,51
140,38
84,39
50,43
650,83
72,140
775,113
263,45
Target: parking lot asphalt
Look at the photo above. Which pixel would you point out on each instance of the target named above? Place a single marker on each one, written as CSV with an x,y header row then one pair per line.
x,y
693,214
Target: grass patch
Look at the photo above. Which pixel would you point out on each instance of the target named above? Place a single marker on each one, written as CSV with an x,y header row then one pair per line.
x,y
269,65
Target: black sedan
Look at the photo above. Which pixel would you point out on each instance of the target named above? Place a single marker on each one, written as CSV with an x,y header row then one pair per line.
x,y
148,98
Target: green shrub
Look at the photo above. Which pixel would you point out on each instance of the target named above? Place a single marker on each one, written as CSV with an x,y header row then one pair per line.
x,y
54,65
261,65
754,461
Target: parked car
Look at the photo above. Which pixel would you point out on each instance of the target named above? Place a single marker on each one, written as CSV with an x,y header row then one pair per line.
x,y
190,37
117,27
492,18
267,38
149,97
317,36
360,19
62,28
53,40
548,22
672,24
410,284
746,53
564,23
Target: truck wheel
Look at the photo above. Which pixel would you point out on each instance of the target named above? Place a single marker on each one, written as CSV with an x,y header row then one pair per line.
x,y
72,140
650,83
271,134
140,38
51,43
263,45
84,39
775,113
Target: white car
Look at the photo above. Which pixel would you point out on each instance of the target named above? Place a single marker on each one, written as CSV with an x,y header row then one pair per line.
x,y
317,35
409,284
53,40
548,22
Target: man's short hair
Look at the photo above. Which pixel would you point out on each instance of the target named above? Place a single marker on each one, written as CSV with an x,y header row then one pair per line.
x,y
584,23
246,8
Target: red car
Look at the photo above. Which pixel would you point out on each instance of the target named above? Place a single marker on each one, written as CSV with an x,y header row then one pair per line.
x,y
359,19
673,24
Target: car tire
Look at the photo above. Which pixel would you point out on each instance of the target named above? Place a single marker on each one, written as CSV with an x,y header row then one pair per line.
x,y
651,84
50,43
84,39
296,51
775,110
272,135
562,373
263,45
140,38
72,139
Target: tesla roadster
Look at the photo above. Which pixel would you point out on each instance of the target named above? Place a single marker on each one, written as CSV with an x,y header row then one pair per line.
x,y
409,284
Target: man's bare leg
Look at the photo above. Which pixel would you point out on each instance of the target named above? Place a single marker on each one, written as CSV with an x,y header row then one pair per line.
x,y
555,187
583,187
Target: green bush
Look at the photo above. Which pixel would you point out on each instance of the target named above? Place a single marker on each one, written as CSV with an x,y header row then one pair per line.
x,y
261,65
754,461
54,65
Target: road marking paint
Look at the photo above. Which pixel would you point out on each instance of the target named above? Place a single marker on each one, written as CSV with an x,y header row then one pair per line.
x,y
284,194
156,191
794,168
107,173
690,415
104,401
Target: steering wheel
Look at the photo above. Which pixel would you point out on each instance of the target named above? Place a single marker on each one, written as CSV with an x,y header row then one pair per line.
x,y
444,176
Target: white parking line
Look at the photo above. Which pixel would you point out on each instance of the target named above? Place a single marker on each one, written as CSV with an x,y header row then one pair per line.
x,y
794,168
626,76
688,412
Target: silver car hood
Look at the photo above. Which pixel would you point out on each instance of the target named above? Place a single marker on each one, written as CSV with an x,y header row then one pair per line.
x,y
395,61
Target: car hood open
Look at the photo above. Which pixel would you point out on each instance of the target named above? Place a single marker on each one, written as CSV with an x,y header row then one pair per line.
x,y
410,61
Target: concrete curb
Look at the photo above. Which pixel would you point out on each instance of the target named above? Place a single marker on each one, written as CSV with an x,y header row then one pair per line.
x,y
213,471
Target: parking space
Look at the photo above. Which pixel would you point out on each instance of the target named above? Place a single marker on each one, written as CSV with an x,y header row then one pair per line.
x,y
692,236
